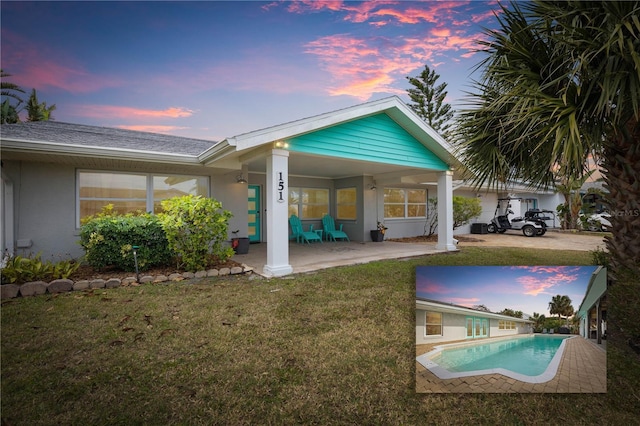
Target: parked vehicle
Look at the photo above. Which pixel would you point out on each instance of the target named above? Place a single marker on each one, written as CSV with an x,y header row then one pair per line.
x,y
500,223
595,222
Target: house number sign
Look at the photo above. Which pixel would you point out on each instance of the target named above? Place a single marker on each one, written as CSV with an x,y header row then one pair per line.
x,y
280,189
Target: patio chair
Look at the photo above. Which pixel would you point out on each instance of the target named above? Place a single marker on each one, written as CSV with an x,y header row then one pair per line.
x,y
330,230
544,331
551,331
300,234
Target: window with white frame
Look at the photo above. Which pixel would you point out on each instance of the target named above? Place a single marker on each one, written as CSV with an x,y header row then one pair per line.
x,y
506,325
433,323
405,203
130,192
346,204
308,203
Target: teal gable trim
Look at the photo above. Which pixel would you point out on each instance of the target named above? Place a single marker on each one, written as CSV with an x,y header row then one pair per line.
x,y
376,138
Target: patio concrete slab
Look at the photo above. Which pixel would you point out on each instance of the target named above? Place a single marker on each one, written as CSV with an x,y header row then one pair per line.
x,y
315,256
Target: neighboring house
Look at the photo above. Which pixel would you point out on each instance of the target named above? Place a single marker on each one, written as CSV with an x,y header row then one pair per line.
x,y
523,198
374,162
438,322
593,309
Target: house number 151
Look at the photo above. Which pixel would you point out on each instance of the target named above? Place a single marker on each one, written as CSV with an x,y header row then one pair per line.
x,y
280,188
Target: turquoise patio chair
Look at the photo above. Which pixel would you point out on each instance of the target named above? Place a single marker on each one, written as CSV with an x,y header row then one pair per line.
x,y
330,229
300,234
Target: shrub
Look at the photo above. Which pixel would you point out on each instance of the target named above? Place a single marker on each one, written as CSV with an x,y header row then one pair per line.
x,y
19,269
196,228
108,241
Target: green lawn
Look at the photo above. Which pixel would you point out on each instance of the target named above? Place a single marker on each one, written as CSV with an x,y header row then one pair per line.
x,y
332,347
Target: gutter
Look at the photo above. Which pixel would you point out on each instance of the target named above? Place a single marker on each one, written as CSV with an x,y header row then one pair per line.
x,y
26,146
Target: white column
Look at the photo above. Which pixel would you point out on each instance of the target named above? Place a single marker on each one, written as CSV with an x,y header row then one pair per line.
x,y
277,195
445,211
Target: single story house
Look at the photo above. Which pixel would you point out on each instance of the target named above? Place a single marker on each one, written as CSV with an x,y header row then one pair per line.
x,y
373,162
593,309
438,322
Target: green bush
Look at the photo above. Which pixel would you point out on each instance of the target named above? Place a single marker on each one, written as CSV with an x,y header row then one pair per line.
x,y
108,241
196,228
19,269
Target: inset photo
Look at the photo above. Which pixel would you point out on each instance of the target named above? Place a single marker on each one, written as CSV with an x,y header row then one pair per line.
x,y
511,329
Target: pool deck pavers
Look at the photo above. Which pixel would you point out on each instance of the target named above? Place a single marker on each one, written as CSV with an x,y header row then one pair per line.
x,y
583,369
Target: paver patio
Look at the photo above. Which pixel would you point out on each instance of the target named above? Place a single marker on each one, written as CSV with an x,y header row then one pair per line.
x,y
583,369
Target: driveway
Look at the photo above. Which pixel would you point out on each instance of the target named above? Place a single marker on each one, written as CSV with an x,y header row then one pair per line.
x,y
553,239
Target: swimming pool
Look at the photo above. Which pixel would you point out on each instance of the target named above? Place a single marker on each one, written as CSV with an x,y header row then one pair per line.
x,y
530,358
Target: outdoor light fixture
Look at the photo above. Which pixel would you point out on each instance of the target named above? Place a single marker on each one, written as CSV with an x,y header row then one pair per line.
x,y
372,186
281,144
241,178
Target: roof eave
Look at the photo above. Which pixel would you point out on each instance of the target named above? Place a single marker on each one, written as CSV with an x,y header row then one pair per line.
x,y
422,304
28,146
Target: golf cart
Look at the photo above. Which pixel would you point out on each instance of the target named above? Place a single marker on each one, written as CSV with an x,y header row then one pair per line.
x,y
529,225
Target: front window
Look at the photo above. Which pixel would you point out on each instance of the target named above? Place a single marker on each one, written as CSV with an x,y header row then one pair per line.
x,y
129,192
405,203
433,323
308,203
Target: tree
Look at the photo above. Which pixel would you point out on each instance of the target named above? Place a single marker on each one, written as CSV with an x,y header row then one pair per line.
x,y
511,313
561,82
561,305
538,321
569,187
480,308
37,111
464,209
428,100
10,92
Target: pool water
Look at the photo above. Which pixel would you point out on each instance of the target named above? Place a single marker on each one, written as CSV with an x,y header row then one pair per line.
x,y
529,355
531,358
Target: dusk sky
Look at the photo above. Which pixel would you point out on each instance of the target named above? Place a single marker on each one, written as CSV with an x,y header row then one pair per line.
x,y
212,70
522,288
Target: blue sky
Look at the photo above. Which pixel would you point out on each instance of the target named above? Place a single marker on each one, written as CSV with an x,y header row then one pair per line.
x,y
211,70
522,288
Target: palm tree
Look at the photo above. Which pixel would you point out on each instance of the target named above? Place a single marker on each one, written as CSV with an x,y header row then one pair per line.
x,y
538,320
560,305
10,91
37,111
560,83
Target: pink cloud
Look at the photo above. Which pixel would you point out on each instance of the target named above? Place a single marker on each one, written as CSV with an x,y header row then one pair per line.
x,y
431,288
111,111
543,278
360,67
462,301
39,66
152,128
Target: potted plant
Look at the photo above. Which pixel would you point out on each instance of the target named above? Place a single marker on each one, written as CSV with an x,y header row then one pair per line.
x,y
240,245
377,235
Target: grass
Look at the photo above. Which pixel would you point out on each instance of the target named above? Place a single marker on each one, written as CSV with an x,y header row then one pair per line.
x,y
332,347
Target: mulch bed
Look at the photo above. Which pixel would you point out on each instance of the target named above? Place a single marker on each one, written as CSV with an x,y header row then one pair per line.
x,y
86,272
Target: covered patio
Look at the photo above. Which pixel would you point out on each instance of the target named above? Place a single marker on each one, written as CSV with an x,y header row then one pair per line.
x,y
306,258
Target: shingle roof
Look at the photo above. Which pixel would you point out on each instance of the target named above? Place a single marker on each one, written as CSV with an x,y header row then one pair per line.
x,y
103,137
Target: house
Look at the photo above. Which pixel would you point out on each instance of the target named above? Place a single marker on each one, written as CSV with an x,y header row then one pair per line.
x,y
438,322
374,162
593,309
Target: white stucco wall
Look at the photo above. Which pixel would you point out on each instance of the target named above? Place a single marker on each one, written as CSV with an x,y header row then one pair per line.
x,y
454,328
45,207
